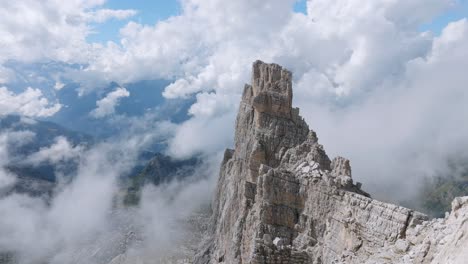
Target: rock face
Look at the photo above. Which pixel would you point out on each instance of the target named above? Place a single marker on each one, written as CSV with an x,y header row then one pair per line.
x,y
280,199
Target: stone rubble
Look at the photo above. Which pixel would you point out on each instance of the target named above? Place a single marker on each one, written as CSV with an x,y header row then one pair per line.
x,y
280,199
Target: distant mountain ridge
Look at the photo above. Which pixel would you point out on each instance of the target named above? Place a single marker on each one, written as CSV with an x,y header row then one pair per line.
x,y
151,168
38,179
160,169
45,132
45,135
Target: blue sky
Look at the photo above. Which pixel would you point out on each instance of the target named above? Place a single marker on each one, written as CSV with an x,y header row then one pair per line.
x,y
149,12
459,11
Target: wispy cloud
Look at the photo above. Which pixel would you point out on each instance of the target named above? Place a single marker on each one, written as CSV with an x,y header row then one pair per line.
x,y
62,150
103,15
31,102
106,106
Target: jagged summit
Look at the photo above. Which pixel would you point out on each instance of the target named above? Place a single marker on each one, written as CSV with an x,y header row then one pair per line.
x,y
265,104
271,89
280,199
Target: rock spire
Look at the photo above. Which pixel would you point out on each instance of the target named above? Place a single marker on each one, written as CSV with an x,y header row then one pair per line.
x,y
280,199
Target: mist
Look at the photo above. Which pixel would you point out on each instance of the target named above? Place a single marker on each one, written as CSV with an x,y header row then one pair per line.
x,y
85,221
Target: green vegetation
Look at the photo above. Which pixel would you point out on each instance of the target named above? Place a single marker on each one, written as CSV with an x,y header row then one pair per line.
x,y
437,193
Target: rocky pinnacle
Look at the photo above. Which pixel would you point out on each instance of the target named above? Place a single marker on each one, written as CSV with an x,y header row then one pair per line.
x,y
280,199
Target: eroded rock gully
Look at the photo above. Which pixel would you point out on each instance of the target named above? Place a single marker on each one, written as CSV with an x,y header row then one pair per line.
x,y
280,199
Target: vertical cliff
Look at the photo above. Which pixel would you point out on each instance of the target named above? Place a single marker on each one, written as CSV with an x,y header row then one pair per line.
x,y
280,199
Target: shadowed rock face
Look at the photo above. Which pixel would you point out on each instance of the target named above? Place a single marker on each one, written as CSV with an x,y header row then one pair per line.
x,y
280,199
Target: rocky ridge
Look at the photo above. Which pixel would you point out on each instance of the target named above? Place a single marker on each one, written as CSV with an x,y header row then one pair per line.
x,y
280,199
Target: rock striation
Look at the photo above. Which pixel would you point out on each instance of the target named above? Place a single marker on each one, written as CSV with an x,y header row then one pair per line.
x,y
280,199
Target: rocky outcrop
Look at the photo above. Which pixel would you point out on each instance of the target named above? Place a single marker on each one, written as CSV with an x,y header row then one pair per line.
x,y
280,199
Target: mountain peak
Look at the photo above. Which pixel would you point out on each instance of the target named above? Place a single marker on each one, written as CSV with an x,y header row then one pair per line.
x,y
267,125
271,89
280,199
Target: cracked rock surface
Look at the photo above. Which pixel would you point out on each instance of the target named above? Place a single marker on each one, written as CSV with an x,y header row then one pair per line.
x,y
281,199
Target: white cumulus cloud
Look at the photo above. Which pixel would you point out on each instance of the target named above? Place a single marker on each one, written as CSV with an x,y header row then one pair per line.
x,y
50,29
